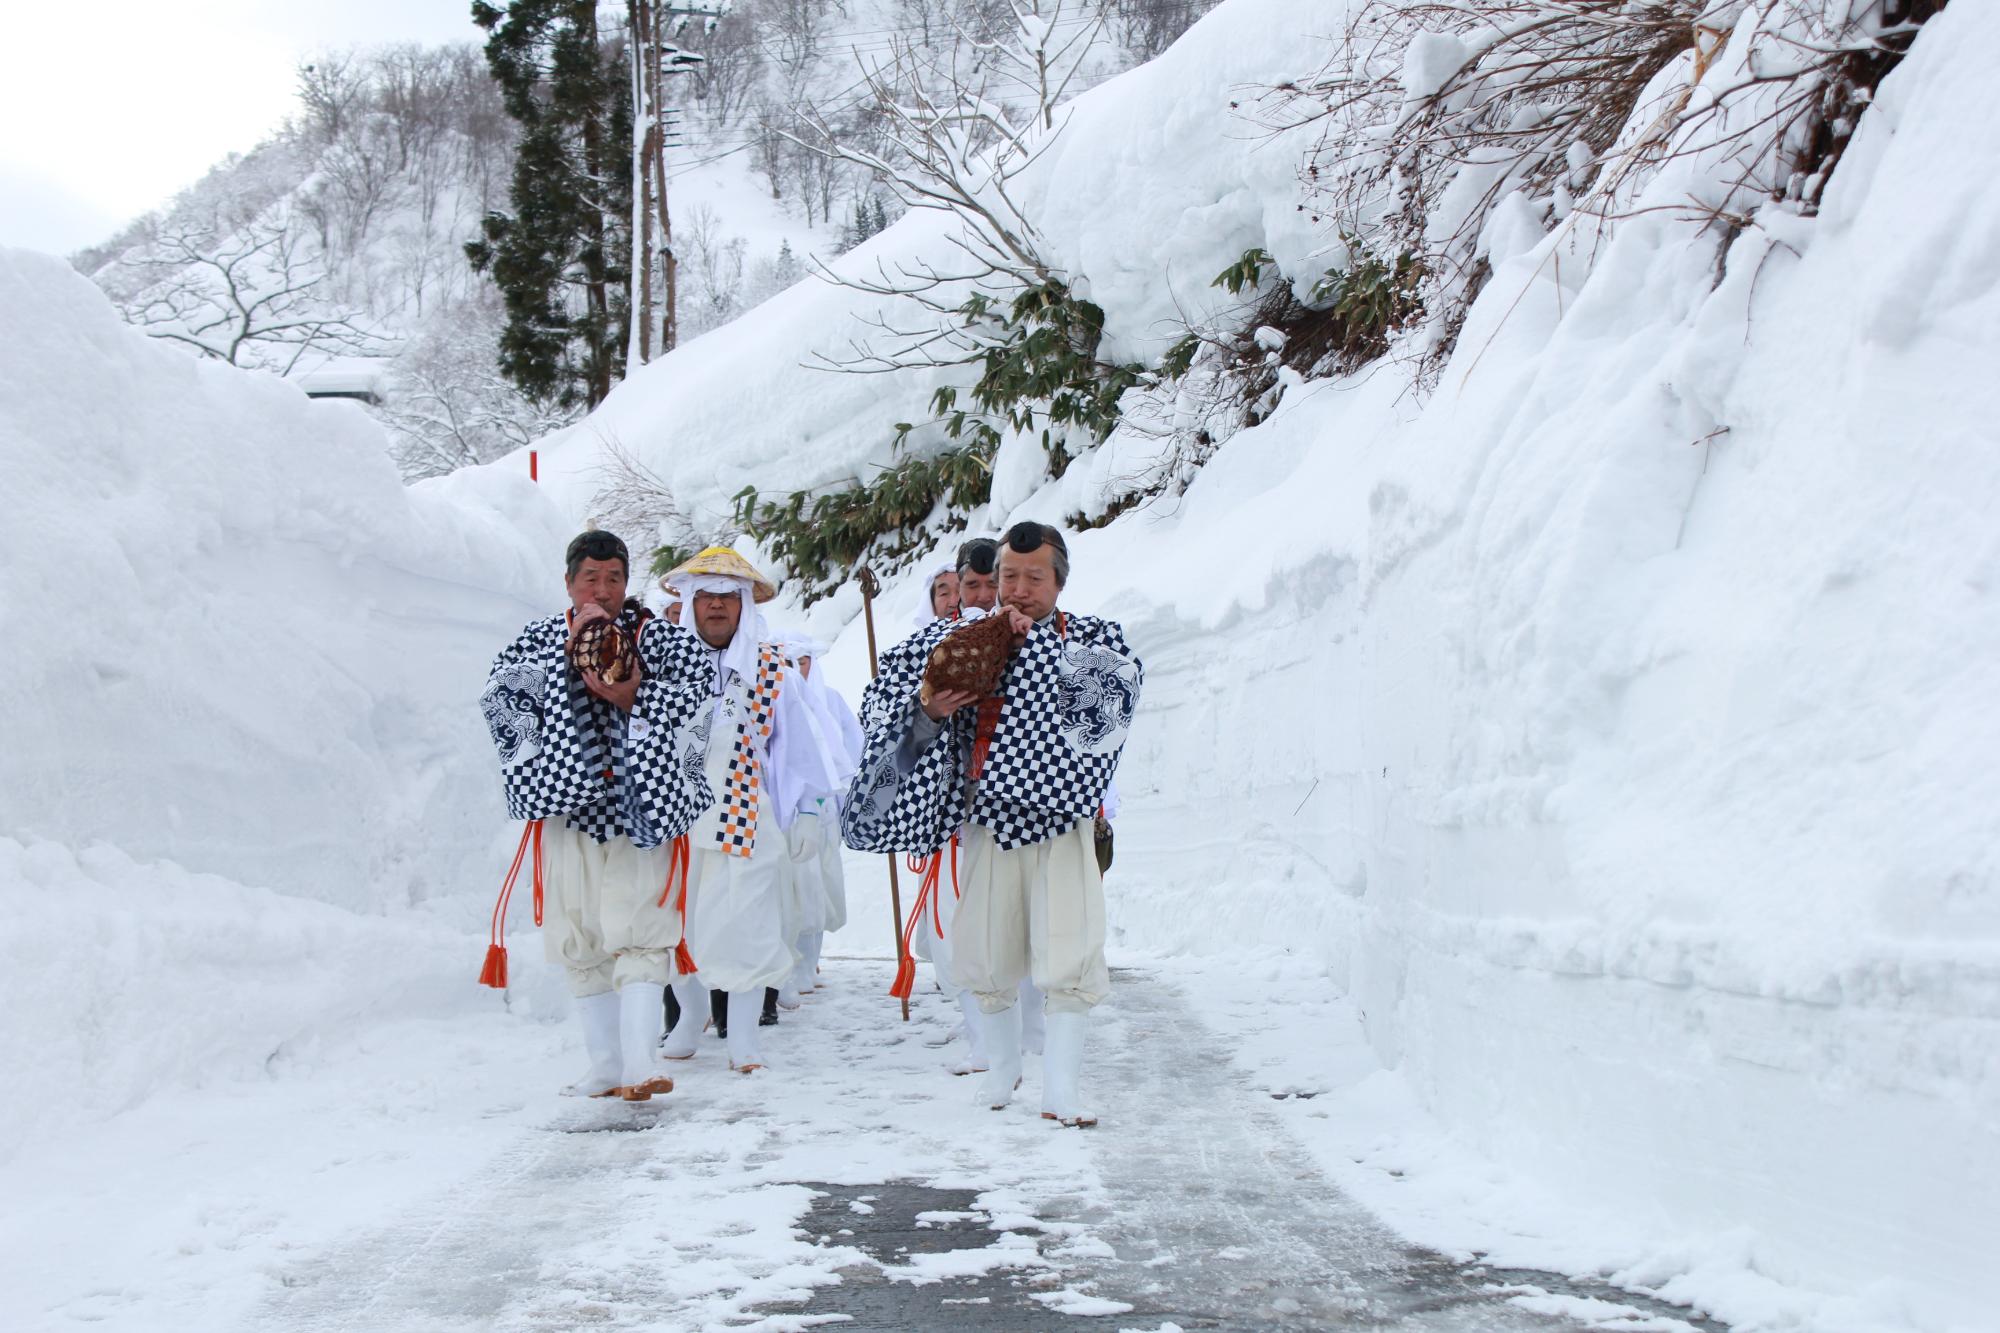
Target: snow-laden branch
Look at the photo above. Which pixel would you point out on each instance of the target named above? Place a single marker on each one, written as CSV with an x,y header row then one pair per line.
x,y
953,142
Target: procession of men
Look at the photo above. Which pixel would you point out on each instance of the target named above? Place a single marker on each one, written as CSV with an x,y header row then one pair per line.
x,y
687,782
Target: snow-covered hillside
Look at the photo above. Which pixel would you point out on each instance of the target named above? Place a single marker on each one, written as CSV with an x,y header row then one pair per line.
x,y
334,252
1612,724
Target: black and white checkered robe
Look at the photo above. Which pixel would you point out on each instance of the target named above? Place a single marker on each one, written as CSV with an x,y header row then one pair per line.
x,y
565,752
1070,695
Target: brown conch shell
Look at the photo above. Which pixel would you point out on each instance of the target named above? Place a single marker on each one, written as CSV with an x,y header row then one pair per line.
x,y
603,647
973,658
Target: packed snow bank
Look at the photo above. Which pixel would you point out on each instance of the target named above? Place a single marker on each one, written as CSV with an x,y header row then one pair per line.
x,y
242,654
239,642
1614,725
121,979
1619,729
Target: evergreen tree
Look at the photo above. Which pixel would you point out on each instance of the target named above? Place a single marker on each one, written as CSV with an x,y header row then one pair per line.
x,y
857,229
869,217
786,271
560,258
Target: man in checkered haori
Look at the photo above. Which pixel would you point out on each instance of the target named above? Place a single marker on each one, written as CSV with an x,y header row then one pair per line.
x,y
1025,771
978,570
597,764
761,751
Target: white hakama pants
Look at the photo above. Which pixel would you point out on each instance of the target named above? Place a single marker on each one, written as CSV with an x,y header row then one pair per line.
x,y
805,899
1033,913
820,890
601,918
930,938
832,876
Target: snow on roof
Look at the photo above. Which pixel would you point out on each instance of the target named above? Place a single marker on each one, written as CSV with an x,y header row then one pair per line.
x,y
345,377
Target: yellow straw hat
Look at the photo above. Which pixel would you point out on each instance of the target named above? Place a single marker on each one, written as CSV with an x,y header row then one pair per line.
x,y
724,562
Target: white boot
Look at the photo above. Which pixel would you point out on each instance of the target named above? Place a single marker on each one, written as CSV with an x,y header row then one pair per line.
x,y
1062,1071
1003,1049
745,1008
975,1061
642,1007
1032,1025
685,1039
600,1040
805,977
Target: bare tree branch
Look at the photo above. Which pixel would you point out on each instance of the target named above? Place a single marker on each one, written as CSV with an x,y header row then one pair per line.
x,y
253,296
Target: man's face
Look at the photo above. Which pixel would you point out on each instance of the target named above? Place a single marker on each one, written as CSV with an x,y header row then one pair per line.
x,y
598,583
1028,580
944,596
674,612
716,615
978,590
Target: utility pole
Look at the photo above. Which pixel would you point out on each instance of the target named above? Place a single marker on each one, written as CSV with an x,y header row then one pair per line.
x,y
655,126
639,331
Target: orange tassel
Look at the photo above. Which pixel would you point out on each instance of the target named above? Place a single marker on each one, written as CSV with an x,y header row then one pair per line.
x,y
683,960
494,974
906,978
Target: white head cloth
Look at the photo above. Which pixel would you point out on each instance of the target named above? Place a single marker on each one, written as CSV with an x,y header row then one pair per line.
x,y
833,723
799,643
741,654
924,614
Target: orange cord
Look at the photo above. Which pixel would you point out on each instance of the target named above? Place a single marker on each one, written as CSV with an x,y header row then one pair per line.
x,y
494,972
929,893
678,861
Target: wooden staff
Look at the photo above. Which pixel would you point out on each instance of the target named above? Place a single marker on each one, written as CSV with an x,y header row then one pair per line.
x,y
869,587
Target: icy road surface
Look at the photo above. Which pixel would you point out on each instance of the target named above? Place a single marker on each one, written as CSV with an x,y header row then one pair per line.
x,y
429,1178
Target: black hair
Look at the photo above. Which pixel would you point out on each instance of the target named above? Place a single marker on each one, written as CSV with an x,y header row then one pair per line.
x,y
596,544
1026,537
981,555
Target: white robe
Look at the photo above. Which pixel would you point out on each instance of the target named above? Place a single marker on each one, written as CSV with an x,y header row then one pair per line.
x,y
742,910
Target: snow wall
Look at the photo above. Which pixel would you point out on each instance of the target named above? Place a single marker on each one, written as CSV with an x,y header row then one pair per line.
x,y
242,644
242,672
1615,724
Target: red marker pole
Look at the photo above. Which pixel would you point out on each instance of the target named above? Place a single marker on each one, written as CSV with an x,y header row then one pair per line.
x,y
534,465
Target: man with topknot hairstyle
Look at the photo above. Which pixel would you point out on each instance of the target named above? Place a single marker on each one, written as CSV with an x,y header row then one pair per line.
x,y
1025,771
597,764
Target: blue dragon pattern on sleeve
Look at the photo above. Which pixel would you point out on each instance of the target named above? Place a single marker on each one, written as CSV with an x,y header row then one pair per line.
x,y
1070,695
564,752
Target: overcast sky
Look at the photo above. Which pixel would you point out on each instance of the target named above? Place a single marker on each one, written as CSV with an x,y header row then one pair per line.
x,y
107,109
